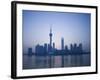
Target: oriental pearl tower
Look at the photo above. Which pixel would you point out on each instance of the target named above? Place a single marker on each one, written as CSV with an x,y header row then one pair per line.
x,y
50,35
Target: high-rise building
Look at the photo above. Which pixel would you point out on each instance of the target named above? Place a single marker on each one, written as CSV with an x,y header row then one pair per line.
x,y
39,49
62,43
29,51
71,47
66,48
53,46
45,48
48,47
80,47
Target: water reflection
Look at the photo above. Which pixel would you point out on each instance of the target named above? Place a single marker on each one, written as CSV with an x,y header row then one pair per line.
x,y
36,62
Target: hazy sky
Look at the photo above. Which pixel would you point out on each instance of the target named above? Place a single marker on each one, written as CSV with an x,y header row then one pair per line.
x,y
73,27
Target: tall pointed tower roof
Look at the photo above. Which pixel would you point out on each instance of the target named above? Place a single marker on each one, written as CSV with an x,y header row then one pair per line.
x,y
51,29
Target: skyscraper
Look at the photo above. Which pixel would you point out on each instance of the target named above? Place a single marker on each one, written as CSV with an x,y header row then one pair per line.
x,y
50,34
62,43
45,48
53,46
29,51
66,48
80,47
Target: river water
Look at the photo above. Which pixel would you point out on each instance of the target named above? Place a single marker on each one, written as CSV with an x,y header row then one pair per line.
x,y
38,62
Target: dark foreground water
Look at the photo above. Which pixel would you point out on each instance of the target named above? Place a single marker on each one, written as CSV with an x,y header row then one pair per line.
x,y
36,62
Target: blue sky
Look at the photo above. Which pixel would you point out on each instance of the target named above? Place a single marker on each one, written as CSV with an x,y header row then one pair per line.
x,y
73,27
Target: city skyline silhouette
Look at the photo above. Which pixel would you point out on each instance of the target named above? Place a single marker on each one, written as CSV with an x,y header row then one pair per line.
x,y
73,27
49,48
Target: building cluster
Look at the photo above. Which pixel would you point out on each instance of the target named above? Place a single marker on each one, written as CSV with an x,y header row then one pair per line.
x,y
50,48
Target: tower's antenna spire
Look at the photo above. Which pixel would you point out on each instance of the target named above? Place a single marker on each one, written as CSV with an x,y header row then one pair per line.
x,y
51,29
